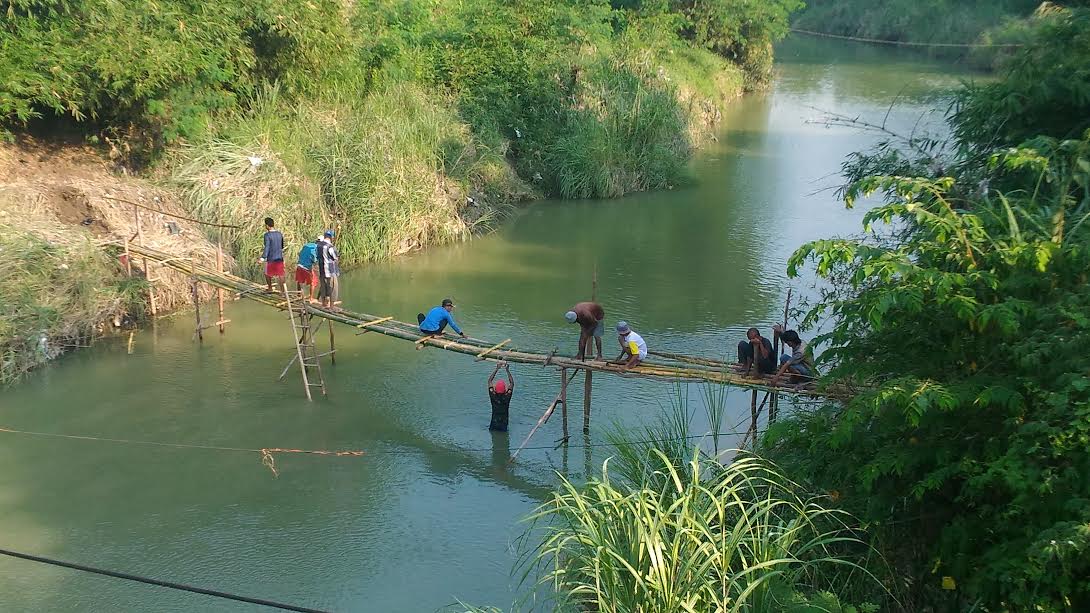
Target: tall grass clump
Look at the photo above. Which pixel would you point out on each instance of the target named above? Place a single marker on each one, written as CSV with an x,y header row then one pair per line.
x,y
229,183
401,171
55,296
738,537
625,133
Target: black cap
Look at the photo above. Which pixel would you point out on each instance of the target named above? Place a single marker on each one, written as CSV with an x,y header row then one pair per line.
x,y
447,302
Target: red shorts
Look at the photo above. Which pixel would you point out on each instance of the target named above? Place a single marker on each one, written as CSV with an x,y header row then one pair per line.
x,y
302,276
274,269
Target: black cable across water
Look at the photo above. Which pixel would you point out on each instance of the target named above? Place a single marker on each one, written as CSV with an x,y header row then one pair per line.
x,y
159,583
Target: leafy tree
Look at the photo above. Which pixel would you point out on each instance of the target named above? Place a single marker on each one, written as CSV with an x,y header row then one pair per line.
x,y
963,308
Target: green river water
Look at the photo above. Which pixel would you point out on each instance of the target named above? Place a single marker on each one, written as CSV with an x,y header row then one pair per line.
x,y
431,513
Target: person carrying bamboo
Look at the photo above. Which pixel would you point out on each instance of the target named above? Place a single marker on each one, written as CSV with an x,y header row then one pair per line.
x,y
499,393
633,347
591,318
272,256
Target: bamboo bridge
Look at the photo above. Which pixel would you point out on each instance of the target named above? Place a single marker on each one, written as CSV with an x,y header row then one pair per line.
x,y
667,366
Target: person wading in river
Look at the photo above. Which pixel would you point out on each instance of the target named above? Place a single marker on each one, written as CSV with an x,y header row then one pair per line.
x,y
437,319
500,394
273,255
592,324
633,347
328,271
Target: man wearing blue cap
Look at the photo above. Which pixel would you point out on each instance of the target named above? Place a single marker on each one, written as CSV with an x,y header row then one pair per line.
x,y
633,347
591,318
328,271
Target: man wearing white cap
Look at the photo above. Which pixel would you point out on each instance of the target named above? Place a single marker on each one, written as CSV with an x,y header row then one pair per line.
x,y
591,318
633,347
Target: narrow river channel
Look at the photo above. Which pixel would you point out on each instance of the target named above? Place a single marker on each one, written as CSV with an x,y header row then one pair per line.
x,y
430,514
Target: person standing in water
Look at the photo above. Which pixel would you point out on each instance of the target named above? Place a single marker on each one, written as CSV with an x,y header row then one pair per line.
x,y
499,393
273,255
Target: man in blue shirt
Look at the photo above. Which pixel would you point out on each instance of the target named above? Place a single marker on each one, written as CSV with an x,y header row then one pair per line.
x,y
438,318
272,256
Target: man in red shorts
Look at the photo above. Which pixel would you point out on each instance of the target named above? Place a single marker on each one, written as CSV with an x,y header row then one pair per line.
x,y
273,255
306,272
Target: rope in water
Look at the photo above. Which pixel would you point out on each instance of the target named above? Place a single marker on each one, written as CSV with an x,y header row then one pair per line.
x,y
266,452
159,583
905,43
271,450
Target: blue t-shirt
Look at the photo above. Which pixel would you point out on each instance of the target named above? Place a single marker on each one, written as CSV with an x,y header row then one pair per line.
x,y
307,255
436,317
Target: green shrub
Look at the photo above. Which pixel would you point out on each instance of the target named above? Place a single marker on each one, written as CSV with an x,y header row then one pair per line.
x,y
964,307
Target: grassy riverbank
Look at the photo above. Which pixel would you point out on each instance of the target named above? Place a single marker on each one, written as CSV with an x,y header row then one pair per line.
x,y
400,124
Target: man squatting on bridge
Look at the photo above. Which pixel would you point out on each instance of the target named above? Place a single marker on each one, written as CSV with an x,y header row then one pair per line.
x,y
438,318
633,347
273,254
591,318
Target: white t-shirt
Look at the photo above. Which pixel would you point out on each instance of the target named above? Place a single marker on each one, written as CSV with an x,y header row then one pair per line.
x,y
641,346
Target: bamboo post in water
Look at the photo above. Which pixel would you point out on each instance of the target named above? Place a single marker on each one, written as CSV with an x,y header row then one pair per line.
x,y
147,276
564,402
199,330
774,407
219,290
332,345
588,379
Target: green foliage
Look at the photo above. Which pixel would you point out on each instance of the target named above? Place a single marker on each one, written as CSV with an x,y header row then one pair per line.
x,y
741,30
1046,90
931,21
698,536
161,66
963,305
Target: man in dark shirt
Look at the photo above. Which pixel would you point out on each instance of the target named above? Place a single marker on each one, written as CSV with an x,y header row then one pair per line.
x,y
273,255
500,394
756,350
591,318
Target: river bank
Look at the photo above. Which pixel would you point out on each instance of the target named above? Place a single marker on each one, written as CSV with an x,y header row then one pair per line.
x,y
402,127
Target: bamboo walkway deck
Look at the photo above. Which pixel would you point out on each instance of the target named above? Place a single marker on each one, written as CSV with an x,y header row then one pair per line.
x,y
667,366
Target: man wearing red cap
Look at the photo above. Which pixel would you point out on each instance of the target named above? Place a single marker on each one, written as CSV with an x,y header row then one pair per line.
x,y
500,394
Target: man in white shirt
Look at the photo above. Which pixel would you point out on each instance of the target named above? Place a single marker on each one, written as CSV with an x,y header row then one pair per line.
x,y
633,347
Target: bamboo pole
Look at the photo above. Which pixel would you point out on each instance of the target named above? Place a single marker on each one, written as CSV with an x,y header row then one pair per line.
x,y
586,403
199,330
219,290
332,345
147,276
540,422
564,402
128,259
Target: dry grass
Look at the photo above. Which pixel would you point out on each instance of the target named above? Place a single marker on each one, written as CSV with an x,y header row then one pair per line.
x,y
59,287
